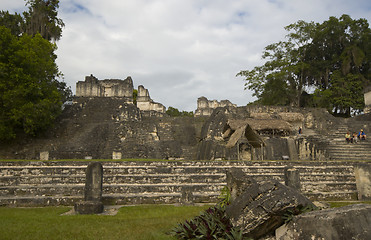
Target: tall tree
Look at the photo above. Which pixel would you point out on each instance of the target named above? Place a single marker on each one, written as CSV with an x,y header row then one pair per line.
x,y
42,18
29,95
332,58
281,80
14,22
339,56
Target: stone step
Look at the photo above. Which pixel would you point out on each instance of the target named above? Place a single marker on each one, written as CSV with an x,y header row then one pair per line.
x,y
165,178
332,196
42,201
326,186
78,189
109,199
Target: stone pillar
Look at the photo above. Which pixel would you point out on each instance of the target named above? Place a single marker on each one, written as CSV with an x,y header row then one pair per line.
x,y
92,203
44,156
363,181
292,178
187,197
116,155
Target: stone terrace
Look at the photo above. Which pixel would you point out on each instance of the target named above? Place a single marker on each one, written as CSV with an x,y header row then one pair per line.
x,y
37,183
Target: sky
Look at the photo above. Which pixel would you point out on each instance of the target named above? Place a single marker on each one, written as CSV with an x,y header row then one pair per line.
x,y
180,50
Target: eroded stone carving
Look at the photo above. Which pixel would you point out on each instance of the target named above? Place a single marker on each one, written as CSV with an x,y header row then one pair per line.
x,y
92,203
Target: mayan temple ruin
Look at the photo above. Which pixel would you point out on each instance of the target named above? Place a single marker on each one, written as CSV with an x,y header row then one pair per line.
x,y
191,159
106,122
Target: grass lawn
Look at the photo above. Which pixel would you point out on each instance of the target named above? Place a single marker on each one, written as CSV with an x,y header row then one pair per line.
x,y
131,222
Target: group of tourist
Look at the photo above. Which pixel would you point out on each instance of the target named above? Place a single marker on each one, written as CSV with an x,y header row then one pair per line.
x,y
354,137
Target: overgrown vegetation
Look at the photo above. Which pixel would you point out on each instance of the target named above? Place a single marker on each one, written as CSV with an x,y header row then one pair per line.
x,y
330,58
210,224
174,112
30,94
213,223
289,215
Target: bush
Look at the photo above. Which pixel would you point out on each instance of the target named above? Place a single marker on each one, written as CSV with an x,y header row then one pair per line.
x,y
211,224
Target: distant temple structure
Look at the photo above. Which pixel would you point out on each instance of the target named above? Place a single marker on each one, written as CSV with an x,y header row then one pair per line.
x,y
206,107
145,103
92,87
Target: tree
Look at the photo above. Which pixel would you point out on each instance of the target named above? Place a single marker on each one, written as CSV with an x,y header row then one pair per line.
x,y
333,58
12,21
281,80
340,63
42,18
174,112
30,99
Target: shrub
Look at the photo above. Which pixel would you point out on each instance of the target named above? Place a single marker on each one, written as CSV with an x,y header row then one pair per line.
x,y
211,224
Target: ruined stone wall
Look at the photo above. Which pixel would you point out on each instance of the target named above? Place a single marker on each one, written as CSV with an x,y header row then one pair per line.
x,y
92,87
145,103
42,183
101,128
205,107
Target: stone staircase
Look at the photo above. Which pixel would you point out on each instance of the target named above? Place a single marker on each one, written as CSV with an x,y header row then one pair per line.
x,y
334,144
339,149
36,183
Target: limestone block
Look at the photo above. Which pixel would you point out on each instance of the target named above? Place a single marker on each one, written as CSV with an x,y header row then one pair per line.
x,y
350,222
258,207
363,181
116,155
258,115
89,207
92,203
291,116
94,182
292,178
44,156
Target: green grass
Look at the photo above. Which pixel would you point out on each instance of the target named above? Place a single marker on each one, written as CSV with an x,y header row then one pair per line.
x,y
131,222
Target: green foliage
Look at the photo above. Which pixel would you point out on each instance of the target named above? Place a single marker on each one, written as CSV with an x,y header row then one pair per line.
x,y
290,213
42,18
333,58
174,112
14,22
210,224
225,197
30,97
135,95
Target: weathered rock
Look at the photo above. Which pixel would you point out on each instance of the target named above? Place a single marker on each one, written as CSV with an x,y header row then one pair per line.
x,y
363,181
94,182
350,222
292,178
89,207
257,207
92,203
238,182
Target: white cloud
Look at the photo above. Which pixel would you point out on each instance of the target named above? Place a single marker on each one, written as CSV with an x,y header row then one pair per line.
x,y
180,50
